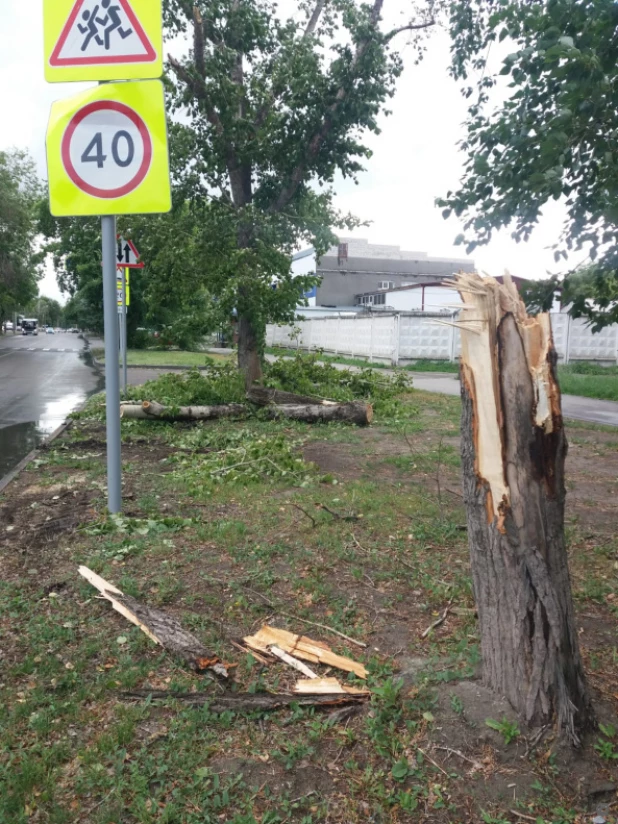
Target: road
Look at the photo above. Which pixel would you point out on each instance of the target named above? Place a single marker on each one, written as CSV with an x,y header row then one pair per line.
x,y
573,406
42,380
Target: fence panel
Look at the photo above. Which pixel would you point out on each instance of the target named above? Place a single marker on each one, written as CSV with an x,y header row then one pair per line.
x,y
423,336
584,345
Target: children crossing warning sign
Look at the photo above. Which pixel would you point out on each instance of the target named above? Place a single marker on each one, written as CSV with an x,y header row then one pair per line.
x,y
102,39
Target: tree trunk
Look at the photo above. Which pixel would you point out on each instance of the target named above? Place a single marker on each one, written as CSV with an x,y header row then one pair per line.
x,y
355,412
513,451
249,361
153,410
263,396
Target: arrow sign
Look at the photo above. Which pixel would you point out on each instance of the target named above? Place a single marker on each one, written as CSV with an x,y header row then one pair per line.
x,y
126,254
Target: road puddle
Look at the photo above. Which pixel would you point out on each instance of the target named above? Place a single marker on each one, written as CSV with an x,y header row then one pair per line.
x,y
17,440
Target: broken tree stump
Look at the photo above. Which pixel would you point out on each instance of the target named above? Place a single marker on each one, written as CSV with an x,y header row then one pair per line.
x,y
513,453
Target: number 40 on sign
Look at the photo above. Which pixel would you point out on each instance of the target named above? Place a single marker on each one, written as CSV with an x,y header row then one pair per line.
x,y
107,151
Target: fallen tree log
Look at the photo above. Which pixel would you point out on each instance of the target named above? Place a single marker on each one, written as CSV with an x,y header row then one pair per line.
x,y
355,412
154,410
264,396
158,626
513,456
245,701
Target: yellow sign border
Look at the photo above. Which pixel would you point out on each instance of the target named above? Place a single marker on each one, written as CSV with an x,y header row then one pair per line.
x,y
153,195
56,14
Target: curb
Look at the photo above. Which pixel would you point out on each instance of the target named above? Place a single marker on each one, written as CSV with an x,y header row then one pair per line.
x,y
32,455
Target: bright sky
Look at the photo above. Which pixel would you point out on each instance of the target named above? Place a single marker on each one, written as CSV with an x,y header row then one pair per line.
x,y
415,158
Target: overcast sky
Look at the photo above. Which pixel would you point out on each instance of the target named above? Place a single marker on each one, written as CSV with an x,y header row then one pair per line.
x,y
415,158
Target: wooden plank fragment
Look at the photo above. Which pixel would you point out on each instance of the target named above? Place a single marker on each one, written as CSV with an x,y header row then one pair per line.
x,y
300,646
292,662
158,626
327,686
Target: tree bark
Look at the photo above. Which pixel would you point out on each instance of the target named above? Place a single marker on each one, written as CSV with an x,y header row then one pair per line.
x,y
249,361
153,410
158,626
513,451
245,702
355,412
263,396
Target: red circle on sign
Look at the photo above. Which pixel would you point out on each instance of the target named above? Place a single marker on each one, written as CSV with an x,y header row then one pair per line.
x,y
66,149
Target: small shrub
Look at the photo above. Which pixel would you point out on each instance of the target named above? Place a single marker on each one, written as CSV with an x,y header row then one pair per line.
x,y
507,729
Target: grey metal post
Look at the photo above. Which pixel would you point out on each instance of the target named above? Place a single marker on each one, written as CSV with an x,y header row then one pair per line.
x,y
119,330
124,330
112,388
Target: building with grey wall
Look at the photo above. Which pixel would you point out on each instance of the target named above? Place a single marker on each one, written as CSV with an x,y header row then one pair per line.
x,y
356,266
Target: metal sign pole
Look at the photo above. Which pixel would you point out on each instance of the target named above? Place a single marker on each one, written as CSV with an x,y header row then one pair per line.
x,y
112,387
125,277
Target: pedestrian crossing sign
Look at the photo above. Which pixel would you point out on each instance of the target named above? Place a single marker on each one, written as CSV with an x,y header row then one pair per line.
x,y
103,40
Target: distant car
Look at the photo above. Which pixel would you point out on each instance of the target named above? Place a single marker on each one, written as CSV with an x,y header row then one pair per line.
x,y
29,326
49,330
9,326
75,331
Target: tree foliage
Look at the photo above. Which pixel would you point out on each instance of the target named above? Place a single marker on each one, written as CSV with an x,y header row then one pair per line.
x,y
20,190
553,137
277,107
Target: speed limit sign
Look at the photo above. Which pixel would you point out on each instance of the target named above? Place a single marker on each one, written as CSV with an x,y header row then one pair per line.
x,y
107,151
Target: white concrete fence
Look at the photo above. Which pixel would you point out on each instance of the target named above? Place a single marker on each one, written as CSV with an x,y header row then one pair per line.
x,y
405,337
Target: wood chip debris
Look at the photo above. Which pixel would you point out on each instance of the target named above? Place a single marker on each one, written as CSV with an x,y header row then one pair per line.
x,y
158,626
316,652
327,686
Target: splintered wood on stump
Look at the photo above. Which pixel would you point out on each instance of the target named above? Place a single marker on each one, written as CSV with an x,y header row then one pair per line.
x,y
513,455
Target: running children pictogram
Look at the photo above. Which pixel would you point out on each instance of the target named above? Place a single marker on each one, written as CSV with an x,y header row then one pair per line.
x,y
102,39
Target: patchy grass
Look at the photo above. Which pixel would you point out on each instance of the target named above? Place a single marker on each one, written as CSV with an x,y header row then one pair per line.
x,y
166,357
589,380
227,525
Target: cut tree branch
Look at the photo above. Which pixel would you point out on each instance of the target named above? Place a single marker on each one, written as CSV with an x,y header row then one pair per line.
x,y
198,42
315,18
316,142
198,87
312,24
410,27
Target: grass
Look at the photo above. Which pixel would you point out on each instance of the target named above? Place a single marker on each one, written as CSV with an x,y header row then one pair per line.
x,y
163,357
218,518
587,380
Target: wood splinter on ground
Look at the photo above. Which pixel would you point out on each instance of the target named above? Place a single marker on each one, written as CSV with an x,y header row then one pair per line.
x,y
327,686
158,626
300,646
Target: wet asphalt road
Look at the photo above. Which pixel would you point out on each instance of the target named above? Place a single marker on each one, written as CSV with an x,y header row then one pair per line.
x,y
42,380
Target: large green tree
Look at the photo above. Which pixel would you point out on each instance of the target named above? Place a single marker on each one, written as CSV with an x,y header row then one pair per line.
x,y
543,129
20,189
277,106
